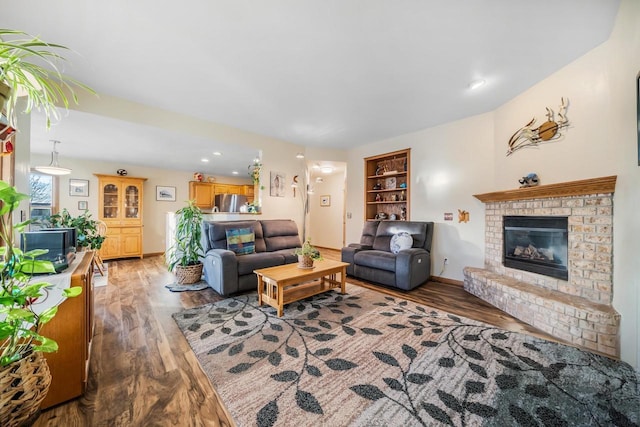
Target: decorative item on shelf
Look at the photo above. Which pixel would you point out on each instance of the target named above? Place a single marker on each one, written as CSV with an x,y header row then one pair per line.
x,y
28,67
403,213
378,197
393,217
402,195
390,172
197,176
404,166
548,131
211,179
381,215
183,257
24,373
530,180
377,186
122,172
403,185
390,183
307,254
394,197
463,216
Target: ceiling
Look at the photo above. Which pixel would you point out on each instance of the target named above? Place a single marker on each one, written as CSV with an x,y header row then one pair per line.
x,y
327,73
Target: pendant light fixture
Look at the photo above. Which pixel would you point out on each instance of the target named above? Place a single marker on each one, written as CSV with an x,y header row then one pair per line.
x,y
53,168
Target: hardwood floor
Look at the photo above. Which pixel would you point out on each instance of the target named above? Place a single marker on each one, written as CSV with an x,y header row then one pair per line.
x,y
142,370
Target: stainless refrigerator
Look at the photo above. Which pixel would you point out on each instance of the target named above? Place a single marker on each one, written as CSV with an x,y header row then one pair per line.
x,y
230,202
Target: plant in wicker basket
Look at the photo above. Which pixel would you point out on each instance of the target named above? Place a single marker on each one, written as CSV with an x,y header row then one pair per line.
x,y
24,375
183,257
307,254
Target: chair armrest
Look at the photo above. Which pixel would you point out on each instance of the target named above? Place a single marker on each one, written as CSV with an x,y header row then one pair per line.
x,y
413,268
221,271
347,254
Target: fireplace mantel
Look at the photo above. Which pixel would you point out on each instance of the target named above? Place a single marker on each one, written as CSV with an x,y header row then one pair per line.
x,y
602,185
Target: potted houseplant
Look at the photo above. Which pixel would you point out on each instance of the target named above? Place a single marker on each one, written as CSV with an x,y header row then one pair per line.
x,y
183,257
87,234
23,369
307,254
28,67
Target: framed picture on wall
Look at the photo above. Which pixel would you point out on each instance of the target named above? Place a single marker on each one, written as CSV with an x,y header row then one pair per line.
x,y
165,194
83,205
79,187
325,200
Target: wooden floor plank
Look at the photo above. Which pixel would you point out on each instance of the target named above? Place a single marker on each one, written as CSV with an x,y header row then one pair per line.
x,y
142,370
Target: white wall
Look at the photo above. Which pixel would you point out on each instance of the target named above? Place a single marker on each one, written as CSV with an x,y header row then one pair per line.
x,y
326,222
454,161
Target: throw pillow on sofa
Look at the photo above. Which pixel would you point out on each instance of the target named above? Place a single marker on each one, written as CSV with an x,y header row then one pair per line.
x,y
242,241
400,241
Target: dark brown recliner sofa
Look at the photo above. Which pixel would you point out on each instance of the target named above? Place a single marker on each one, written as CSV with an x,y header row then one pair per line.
x,y
228,273
372,259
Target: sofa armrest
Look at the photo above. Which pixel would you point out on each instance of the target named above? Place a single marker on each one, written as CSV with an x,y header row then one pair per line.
x,y
347,254
221,271
413,268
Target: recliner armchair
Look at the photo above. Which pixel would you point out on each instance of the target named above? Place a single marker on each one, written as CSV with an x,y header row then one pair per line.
x,y
372,259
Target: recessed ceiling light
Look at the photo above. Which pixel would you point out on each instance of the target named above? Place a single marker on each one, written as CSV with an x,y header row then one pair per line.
x,y
299,156
316,166
234,172
477,84
326,169
204,160
217,153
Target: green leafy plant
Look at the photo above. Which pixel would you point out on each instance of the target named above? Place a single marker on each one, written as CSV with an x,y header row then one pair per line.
x,y
87,234
254,171
19,323
187,248
308,250
28,66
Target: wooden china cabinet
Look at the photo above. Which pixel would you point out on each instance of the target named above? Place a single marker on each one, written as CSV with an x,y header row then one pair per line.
x,y
120,207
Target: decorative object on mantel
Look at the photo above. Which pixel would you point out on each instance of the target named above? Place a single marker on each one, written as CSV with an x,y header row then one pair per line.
x,y
197,176
463,216
548,131
122,172
529,180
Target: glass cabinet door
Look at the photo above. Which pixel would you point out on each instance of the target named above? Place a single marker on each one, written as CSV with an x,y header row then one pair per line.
x,y
110,201
132,202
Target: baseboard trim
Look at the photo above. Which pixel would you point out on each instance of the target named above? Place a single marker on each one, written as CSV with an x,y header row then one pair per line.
x,y
447,281
152,254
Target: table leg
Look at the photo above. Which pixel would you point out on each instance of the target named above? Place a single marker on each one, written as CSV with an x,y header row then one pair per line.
x,y
280,300
343,274
260,289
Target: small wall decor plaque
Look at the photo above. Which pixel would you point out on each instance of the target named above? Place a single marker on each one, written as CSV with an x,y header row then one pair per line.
x,y
546,132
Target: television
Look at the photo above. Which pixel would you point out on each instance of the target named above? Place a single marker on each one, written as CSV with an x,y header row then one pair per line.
x,y
57,241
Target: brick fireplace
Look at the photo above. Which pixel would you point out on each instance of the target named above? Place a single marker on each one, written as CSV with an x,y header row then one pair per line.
x,y
578,310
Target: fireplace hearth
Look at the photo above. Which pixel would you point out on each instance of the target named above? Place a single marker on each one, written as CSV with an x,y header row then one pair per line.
x,y
537,244
575,308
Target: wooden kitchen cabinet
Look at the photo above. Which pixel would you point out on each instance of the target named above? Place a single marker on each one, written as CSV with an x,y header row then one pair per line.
x,y
202,193
72,328
120,205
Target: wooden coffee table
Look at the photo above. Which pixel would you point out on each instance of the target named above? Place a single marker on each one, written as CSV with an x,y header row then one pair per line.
x,y
287,283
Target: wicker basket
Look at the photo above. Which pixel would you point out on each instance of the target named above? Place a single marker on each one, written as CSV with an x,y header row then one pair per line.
x,y
305,261
189,274
23,386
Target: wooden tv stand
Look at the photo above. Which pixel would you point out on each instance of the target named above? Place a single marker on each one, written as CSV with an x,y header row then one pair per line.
x,y
72,328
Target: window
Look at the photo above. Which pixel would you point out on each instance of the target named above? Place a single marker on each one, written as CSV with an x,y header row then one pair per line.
x,y
43,197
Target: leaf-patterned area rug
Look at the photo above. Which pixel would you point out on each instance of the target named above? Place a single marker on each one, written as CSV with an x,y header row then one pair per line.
x,y
366,359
